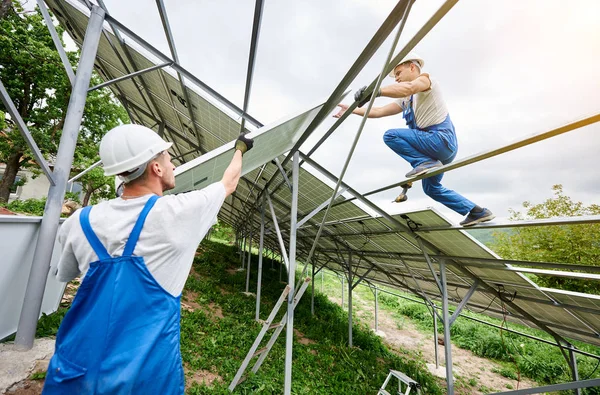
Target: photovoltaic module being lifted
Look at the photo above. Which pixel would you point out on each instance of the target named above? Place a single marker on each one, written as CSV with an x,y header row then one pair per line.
x,y
270,141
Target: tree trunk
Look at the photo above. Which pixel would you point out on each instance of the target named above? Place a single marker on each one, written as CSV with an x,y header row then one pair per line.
x,y
87,196
5,7
9,176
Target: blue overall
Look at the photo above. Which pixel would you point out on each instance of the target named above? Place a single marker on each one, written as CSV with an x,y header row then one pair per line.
x,y
430,144
121,334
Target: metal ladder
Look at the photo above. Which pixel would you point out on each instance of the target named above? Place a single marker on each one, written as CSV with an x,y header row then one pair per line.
x,y
402,378
267,325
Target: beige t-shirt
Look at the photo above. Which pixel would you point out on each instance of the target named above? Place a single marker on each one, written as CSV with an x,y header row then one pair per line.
x,y
429,106
169,239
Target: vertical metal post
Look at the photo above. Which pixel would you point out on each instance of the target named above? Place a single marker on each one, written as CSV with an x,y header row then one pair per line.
x,y
446,316
47,235
280,269
260,258
342,292
312,296
573,363
435,339
350,281
289,338
322,281
376,309
244,252
249,262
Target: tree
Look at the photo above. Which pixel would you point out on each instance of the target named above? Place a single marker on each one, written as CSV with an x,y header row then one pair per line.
x,y
575,244
35,79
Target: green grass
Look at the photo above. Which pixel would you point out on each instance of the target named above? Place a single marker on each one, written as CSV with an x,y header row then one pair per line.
x,y
517,355
323,367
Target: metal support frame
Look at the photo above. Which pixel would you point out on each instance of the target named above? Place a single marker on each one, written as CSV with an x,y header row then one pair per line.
x,y
78,176
350,288
128,76
47,235
258,8
249,266
320,207
289,338
16,117
260,258
167,28
573,366
57,42
376,308
463,302
555,387
283,174
435,339
446,322
279,235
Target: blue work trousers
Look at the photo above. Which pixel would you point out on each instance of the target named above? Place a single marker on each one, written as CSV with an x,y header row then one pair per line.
x,y
437,142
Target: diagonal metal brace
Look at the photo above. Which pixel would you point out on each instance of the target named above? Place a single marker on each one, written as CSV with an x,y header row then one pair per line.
x,y
464,302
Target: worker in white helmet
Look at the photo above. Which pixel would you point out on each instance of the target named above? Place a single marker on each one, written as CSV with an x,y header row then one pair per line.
x,y
121,334
430,139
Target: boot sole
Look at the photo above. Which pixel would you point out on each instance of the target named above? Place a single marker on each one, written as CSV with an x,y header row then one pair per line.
x,y
479,220
421,172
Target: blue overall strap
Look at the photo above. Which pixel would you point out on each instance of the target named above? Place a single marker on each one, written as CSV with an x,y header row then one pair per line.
x,y
137,228
84,220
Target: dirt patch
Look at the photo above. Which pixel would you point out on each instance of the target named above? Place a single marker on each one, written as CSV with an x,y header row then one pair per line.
x,y
224,291
189,303
303,339
26,387
216,310
201,377
473,372
232,271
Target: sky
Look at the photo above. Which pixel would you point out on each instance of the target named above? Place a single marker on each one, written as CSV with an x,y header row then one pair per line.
x,y
507,69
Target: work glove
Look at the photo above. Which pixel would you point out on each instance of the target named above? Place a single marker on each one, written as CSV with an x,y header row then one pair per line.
x,y
362,98
244,143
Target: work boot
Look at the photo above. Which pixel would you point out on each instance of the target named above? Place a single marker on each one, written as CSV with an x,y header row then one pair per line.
x,y
424,168
477,218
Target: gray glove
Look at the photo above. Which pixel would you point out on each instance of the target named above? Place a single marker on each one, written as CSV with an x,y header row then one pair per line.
x,y
244,143
363,98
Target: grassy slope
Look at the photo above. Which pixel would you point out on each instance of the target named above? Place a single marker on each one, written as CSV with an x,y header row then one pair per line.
x,y
324,367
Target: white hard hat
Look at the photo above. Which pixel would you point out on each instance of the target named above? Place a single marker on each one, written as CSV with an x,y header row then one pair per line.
x,y
411,57
126,148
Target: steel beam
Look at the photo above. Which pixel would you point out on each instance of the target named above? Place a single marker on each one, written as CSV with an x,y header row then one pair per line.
x,y
57,42
555,387
128,76
446,321
16,117
64,159
260,258
258,9
463,302
289,334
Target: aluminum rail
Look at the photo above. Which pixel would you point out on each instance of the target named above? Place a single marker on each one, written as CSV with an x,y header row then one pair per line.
x,y
188,104
47,235
490,154
16,117
258,9
57,42
128,76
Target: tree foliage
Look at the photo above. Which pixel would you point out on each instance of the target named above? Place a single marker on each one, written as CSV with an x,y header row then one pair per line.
x,y
575,244
31,71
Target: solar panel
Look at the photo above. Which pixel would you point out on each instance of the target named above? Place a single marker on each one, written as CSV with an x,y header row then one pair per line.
x,y
269,142
395,252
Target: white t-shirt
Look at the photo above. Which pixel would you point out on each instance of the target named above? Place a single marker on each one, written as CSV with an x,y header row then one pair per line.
x,y
168,241
429,106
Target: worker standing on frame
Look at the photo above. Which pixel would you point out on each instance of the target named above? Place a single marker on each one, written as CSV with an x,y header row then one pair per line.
x,y
430,140
121,334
